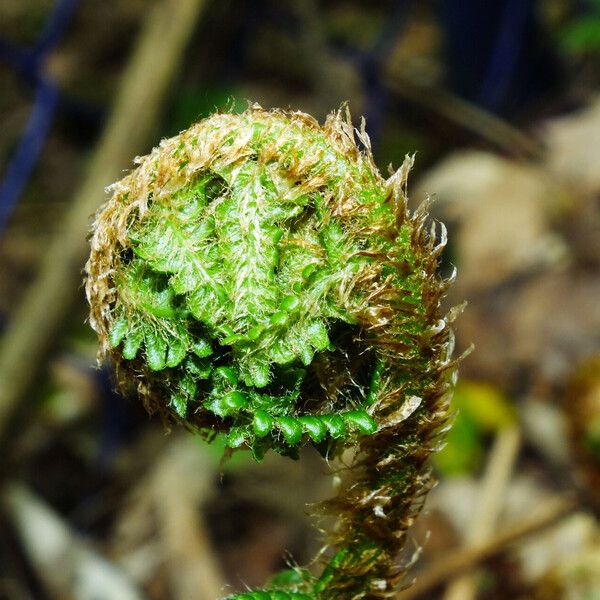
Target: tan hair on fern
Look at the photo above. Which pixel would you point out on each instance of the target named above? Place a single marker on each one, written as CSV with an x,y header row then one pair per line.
x,y
256,276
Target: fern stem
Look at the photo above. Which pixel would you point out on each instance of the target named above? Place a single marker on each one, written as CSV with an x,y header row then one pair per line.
x,y
256,276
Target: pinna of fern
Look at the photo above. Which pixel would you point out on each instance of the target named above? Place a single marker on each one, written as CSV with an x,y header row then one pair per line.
x,y
256,276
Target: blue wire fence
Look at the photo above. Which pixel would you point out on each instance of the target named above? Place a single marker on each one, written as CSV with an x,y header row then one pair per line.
x,y
29,64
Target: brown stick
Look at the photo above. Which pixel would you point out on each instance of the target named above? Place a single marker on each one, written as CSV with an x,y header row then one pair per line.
x,y
193,570
146,80
492,494
66,565
463,559
468,116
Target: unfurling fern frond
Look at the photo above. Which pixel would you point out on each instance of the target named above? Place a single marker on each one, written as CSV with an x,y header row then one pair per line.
x,y
257,276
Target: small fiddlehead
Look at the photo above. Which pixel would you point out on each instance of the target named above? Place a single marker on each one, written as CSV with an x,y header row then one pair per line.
x,y
257,276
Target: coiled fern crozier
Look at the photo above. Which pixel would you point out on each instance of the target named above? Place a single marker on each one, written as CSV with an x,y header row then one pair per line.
x,y
257,276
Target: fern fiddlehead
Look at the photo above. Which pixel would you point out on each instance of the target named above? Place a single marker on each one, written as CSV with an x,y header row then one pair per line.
x,y
257,276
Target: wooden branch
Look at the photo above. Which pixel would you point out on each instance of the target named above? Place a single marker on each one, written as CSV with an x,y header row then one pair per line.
x,y
491,499
67,566
181,480
467,116
147,78
463,559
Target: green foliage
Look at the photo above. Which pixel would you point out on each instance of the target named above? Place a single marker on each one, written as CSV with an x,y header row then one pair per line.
x,y
480,409
257,277
591,439
582,34
239,265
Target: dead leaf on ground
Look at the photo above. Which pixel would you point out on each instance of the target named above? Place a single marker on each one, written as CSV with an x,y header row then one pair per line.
x,y
573,147
500,214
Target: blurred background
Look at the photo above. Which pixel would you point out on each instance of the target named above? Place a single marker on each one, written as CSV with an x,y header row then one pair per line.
x,y
500,102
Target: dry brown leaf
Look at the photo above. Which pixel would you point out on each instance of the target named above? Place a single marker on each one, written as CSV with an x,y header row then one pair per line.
x,y
502,213
573,147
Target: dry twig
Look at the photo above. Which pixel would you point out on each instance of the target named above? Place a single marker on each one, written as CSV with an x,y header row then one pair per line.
x,y
469,117
65,564
461,560
491,501
146,80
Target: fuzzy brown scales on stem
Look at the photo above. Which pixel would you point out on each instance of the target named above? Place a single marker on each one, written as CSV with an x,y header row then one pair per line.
x,y
387,481
257,276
